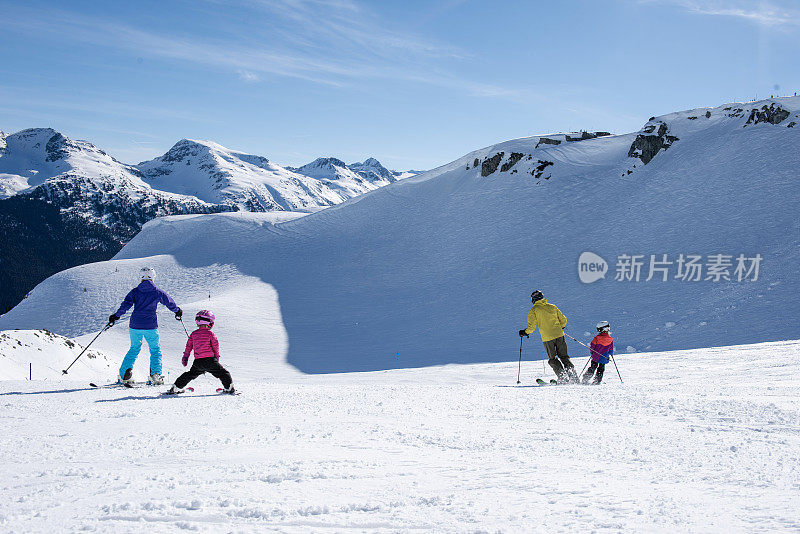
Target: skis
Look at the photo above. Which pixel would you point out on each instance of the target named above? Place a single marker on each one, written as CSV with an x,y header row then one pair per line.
x,y
553,382
137,385
113,385
190,390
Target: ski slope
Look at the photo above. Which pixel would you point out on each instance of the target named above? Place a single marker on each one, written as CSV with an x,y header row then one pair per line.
x,y
699,441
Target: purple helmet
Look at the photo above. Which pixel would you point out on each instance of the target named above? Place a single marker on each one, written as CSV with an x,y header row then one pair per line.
x,y
204,317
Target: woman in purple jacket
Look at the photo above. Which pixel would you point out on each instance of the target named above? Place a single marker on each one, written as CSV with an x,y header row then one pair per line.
x,y
143,324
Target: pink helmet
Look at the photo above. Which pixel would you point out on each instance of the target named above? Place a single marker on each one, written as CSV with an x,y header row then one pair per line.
x,y
204,317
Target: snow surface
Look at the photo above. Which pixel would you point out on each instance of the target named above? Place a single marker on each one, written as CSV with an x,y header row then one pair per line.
x,y
694,441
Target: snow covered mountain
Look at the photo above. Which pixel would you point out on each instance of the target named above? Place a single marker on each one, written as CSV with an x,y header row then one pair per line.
x,y
437,268
69,202
80,204
357,178
219,175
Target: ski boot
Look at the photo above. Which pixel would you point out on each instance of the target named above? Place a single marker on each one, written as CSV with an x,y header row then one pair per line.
x,y
572,376
156,379
126,379
230,390
174,390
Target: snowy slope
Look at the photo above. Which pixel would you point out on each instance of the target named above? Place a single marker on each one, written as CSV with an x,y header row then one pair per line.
x,y
697,441
402,175
247,308
42,355
219,175
437,268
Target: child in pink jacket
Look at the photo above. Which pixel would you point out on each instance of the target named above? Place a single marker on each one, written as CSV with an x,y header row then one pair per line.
x,y
206,355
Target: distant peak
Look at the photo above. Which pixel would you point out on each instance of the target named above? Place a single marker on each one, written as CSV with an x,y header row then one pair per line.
x,y
319,162
34,134
29,131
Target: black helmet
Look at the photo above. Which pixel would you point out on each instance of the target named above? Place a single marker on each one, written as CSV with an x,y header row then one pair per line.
x,y
536,295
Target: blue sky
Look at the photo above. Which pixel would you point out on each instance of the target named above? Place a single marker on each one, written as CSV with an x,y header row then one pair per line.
x,y
414,83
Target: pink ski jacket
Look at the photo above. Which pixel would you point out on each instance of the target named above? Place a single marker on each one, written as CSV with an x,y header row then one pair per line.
x,y
602,348
204,343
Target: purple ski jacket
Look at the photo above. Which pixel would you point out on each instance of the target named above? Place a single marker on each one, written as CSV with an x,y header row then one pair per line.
x,y
145,298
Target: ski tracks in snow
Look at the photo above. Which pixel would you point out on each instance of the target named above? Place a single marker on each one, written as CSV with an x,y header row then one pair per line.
x,y
702,447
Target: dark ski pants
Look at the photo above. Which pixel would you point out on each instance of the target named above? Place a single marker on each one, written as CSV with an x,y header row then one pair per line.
x,y
204,365
598,367
559,360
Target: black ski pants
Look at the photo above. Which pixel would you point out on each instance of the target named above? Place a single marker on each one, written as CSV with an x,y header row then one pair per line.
x,y
559,360
597,367
204,365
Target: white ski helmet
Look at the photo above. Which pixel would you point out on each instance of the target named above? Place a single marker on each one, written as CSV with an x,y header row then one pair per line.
x,y
603,326
147,273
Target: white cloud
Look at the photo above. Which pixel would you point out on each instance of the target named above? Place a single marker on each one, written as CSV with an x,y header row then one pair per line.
x,y
248,76
763,13
330,42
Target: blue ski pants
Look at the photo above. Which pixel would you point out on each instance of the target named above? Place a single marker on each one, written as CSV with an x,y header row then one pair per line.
x,y
151,336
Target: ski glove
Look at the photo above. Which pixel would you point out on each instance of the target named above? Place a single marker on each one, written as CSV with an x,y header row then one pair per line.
x,y
112,319
523,333
178,315
185,360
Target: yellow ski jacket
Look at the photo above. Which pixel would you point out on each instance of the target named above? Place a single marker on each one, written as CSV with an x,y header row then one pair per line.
x,y
548,318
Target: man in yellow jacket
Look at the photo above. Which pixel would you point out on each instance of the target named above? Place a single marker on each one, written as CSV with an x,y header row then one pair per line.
x,y
551,323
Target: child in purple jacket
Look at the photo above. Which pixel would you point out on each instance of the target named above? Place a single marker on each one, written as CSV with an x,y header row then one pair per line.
x,y
601,351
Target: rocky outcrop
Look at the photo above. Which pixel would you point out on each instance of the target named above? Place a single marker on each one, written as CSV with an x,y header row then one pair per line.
x,y
586,135
547,141
512,160
772,114
648,143
538,171
490,165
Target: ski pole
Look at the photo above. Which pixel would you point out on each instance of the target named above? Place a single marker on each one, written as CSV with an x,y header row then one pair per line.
x,y
184,328
519,370
582,343
615,367
106,327
586,365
